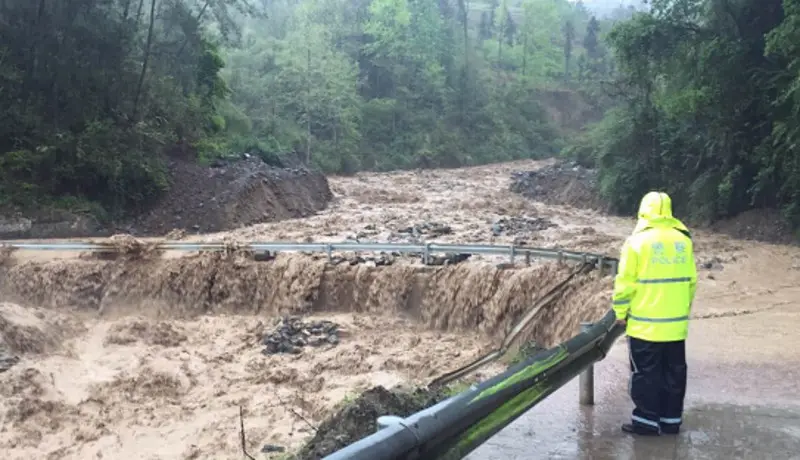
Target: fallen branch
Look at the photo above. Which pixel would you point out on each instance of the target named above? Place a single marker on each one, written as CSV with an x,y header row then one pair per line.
x,y
241,428
295,413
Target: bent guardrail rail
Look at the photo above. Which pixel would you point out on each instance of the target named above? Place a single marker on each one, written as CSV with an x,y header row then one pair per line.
x,y
455,427
514,333
426,250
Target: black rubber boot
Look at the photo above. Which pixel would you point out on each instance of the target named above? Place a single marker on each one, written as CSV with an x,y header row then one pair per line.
x,y
638,430
670,429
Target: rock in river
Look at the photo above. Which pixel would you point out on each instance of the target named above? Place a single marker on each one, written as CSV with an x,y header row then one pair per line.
x,y
292,334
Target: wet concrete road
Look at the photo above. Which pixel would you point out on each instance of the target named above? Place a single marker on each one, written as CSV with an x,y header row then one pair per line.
x,y
734,410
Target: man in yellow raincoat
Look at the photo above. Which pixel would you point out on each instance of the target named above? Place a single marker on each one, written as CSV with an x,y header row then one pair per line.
x,y
653,293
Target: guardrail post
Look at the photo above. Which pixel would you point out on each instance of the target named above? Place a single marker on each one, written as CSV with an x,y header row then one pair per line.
x,y
602,266
528,258
426,256
586,379
512,253
329,250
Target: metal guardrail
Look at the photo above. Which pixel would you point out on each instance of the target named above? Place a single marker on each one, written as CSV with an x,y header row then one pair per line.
x,y
514,332
426,250
455,427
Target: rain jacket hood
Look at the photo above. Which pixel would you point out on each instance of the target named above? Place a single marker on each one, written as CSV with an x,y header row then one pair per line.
x,y
655,210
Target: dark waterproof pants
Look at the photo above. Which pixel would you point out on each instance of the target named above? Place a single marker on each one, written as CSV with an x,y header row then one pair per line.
x,y
658,384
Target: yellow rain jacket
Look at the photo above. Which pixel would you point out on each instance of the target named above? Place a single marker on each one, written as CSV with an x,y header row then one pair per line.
x,y
657,277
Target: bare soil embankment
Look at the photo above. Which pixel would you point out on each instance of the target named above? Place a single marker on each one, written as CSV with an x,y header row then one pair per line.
x,y
222,197
560,184
569,184
231,195
121,356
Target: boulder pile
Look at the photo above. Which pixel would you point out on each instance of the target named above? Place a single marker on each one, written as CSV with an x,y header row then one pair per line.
x,y
292,334
429,229
516,225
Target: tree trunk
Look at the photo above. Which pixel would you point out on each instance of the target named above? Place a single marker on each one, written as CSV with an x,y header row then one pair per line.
x,y
186,36
525,54
308,110
500,40
464,4
139,13
146,60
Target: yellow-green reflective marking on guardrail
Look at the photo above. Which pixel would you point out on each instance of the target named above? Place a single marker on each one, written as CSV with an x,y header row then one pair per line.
x,y
524,373
510,409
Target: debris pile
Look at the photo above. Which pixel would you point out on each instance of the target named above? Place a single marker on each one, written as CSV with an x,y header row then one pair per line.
x,y
516,225
358,418
385,259
561,184
232,194
447,259
430,229
292,334
382,259
767,225
412,233
370,230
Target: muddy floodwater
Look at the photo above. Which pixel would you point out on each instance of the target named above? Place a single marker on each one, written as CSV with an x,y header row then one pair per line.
x,y
151,358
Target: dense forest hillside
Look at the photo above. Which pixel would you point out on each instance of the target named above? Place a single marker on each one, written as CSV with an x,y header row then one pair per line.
x,y
698,97
98,94
709,108
385,84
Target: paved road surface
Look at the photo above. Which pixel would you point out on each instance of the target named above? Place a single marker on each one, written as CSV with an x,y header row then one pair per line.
x,y
742,404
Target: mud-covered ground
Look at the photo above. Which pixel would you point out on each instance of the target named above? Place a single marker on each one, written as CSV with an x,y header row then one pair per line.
x,y
151,358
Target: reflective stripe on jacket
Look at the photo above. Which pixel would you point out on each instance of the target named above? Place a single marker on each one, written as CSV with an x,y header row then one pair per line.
x,y
657,278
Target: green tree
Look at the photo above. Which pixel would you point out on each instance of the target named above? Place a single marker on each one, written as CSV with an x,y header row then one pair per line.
x,y
94,91
99,93
591,41
569,38
709,112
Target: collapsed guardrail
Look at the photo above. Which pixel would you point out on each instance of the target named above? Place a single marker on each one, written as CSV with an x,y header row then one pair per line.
x,y
426,250
513,334
455,427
